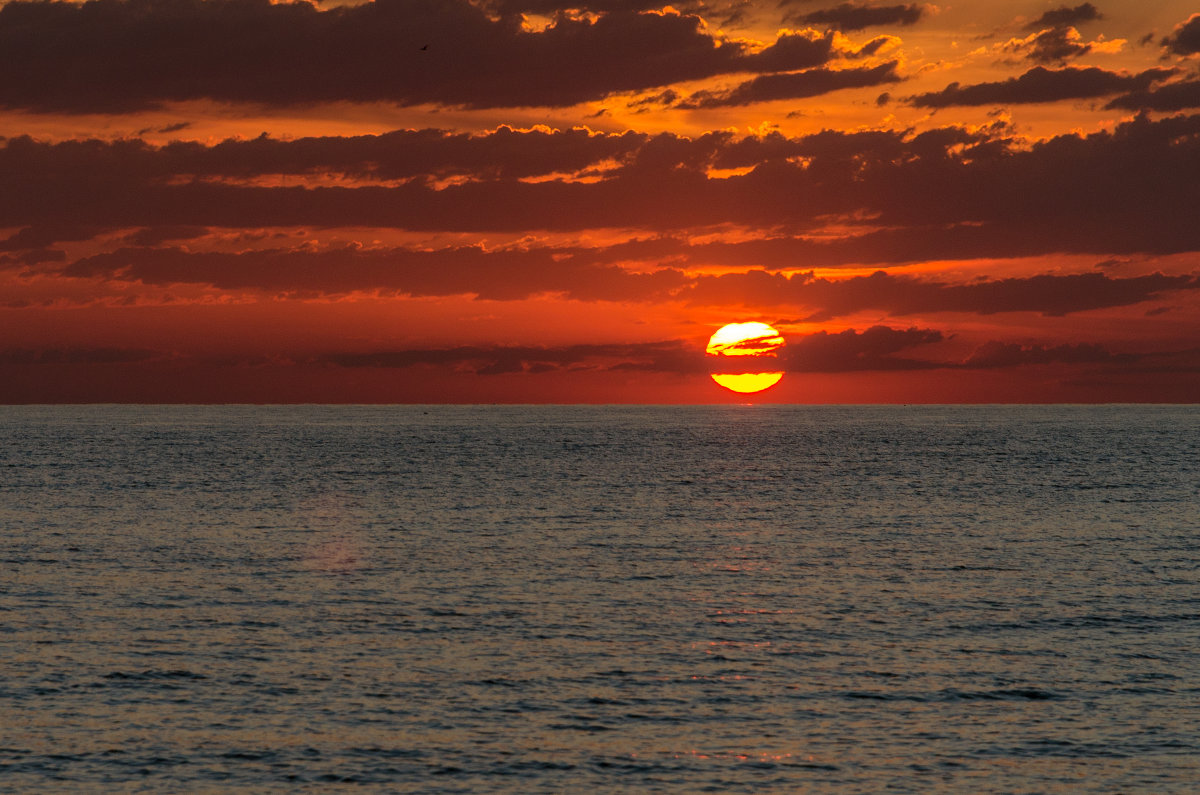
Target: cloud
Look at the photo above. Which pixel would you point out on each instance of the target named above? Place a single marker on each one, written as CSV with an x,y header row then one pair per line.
x,y
1042,85
874,46
1065,16
947,193
1007,354
793,85
46,234
1175,362
157,235
1185,38
1057,45
849,16
554,7
1171,97
60,56
850,350
33,256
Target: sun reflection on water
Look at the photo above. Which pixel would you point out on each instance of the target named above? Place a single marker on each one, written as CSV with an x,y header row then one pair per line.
x,y
335,546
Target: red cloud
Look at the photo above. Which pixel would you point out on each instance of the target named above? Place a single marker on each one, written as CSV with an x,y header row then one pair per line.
x,y
905,295
945,193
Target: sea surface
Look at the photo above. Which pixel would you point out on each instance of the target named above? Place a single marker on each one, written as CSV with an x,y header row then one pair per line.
x,y
600,599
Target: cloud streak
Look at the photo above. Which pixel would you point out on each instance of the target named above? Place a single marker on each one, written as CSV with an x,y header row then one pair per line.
x,y
849,16
1043,85
905,295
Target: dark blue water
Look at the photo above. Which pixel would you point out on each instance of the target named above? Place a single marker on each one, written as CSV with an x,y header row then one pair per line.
x,y
553,599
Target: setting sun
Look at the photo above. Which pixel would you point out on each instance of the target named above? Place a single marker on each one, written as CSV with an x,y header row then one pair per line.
x,y
759,343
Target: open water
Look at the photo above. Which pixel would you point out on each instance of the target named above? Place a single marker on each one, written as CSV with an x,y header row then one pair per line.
x,y
566,599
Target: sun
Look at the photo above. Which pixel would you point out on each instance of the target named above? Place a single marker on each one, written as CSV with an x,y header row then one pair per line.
x,y
743,357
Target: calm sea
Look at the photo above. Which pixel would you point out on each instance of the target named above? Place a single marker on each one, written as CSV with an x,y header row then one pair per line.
x,y
566,599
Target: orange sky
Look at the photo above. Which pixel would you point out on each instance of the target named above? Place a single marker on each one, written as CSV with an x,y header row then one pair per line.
x,y
543,201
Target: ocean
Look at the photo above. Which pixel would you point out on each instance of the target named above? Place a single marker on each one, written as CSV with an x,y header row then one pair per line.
x,y
600,599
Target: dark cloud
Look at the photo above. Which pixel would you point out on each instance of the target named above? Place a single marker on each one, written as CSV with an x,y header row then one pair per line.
x,y
850,350
1051,46
33,256
829,148
1043,85
1185,39
671,357
1175,362
46,234
552,8
111,56
849,16
170,128
1065,16
667,97
1171,97
1007,354
794,85
872,47
792,51
75,356
726,12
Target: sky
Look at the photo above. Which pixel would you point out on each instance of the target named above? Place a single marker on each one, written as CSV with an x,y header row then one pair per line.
x,y
545,201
